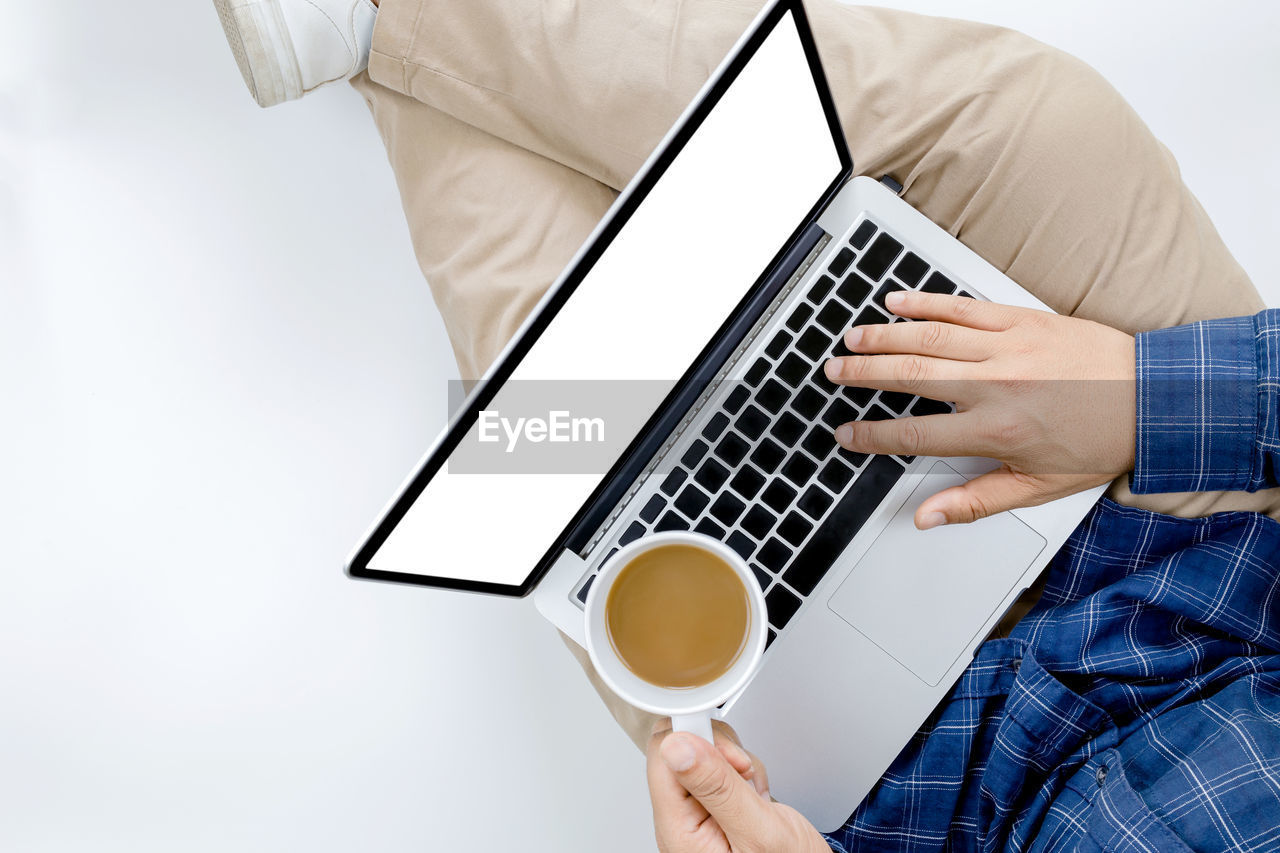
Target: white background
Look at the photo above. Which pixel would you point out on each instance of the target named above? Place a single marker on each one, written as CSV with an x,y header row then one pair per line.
x,y
217,360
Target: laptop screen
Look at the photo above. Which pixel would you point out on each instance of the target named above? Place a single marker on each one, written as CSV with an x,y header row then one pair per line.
x,y
688,251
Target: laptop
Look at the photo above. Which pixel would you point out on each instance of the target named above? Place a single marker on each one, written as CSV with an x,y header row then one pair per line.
x,y
678,359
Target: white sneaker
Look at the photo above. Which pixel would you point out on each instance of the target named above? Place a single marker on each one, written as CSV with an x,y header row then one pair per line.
x,y
287,48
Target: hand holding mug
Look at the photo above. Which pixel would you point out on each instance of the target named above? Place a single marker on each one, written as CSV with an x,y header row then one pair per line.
x,y
715,799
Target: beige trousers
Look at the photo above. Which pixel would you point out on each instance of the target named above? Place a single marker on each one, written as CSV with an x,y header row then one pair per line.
x,y
512,124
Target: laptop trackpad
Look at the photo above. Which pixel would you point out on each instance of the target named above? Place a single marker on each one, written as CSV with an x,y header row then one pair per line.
x,y
922,595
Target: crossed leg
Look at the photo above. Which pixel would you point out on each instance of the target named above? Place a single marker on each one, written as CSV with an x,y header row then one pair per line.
x,y
511,126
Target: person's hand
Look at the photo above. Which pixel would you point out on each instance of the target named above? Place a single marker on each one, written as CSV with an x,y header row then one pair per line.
x,y
1050,397
715,799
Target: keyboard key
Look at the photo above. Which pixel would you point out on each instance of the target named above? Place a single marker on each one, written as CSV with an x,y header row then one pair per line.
x,y
727,508
835,475
808,402
799,317
896,401
634,532
758,372
747,482
768,455
793,370
673,481
736,398
707,527
814,502
857,460
794,528
854,289
846,519
653,508
752,422
711,475
834,317
840,263
773,395
670,521
741,543
586,588
839,412
819,442
858,395
777,346
732,449
692,501
876,260
778,496
781,606
966,294
869,316
862,234
758,522
820,289
799,469
768,641
788,430
911,269
774,555
813,343
883,293
715,426
877,413
819,378
763,578
939,283
694,454
925,406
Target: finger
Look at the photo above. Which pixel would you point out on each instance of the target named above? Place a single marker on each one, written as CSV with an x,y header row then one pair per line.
x,y
939,340
747,765
993,492
675,811
929,435
961,310
734,803
936,378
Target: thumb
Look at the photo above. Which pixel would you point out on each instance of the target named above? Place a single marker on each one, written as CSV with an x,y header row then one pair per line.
x,y
703,771
993,492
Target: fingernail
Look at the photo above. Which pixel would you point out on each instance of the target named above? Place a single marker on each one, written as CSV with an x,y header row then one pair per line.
x,y
853,337
895,299
844,435
832,367
932,519
678,753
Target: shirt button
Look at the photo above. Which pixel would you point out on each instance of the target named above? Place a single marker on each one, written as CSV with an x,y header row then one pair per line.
x,y
1101,775
1016,663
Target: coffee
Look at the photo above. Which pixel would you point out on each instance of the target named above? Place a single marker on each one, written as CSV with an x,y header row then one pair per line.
x,y
678,616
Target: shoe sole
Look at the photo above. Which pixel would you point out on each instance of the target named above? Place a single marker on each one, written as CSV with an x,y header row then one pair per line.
x,y
260,41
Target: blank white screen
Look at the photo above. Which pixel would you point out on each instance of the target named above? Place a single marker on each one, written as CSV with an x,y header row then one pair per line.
x,y
686,257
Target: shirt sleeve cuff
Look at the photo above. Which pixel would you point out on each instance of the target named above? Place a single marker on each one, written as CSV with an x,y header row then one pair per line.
x,y
1197,405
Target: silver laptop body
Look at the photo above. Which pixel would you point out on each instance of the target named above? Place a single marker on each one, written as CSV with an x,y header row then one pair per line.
x,y
871,620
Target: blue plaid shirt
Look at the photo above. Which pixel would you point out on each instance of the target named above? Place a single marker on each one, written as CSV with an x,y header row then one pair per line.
x,y
1137,707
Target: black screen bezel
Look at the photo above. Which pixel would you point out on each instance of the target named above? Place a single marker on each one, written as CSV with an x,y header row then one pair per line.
x,y
641,186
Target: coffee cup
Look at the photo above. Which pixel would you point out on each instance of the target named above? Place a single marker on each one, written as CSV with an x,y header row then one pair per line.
x,y
649,584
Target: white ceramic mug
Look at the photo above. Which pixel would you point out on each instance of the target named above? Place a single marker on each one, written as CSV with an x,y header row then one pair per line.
x,y
689,708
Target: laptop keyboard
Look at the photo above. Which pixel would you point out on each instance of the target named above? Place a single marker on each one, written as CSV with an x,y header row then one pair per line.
x,y
764,474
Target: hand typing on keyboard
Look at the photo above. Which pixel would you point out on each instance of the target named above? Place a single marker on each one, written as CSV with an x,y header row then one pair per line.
x,y
1050,397
715,799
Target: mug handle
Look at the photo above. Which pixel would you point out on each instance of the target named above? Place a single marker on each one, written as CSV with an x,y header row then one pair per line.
x,y
698,724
